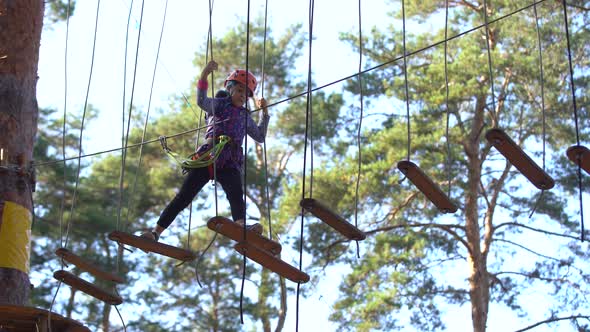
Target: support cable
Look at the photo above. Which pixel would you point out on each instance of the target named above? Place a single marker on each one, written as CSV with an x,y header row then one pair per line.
x,y
173,80
63,151
489,52
154,140
358,134
447,101
124,151
245,184
405,68
309,100
542,80
268,203
64,130
147,116
210,49
307,134
406,77
124,106
573,89
69,222
121,317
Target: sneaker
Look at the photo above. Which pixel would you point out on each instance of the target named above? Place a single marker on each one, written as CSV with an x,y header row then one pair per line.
x,y
256,228
150,235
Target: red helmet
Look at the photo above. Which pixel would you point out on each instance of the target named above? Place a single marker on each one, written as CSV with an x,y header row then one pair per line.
x,y
239,75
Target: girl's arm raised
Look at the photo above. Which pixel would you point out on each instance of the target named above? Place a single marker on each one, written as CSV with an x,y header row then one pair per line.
x,y
202,100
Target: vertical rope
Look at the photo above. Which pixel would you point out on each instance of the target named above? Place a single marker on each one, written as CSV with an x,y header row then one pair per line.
x,y
264,48
447,100
406,78
307,130
69,222
309,100
571,68
246,114
121,317
147,116
63,151
124,106
486,24
268,203
542,81
573,88
51,305
358,134
210,49
63,136
124,154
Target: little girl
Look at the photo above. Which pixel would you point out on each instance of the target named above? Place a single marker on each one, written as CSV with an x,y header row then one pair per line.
x,y
225,116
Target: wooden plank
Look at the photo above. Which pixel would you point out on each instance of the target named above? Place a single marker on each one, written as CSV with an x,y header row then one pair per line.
x,y
235,232
519,159
430,189
579,155
271,262
16,318
328,216
152,246
86,287
72,258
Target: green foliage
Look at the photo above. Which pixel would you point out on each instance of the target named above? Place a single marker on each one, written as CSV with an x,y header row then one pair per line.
x,y
58,10
325,114
393,280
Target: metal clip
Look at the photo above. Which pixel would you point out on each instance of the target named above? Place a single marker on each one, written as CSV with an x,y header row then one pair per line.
x,y
164,143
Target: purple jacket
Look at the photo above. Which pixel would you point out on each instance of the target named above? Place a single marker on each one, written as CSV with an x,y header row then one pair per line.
x,y
231,121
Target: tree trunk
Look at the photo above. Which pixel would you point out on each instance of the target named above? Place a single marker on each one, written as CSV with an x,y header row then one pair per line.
x,y
71,302
106,314
478,276
263,297
283,307
21,23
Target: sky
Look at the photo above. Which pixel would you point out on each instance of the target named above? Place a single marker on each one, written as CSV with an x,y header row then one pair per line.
x,y
185,32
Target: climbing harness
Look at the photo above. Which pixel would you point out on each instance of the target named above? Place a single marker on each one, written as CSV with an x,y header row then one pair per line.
x,y
197,160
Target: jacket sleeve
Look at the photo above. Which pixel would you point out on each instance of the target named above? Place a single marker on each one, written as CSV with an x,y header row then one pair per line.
x,y
258,131
204,102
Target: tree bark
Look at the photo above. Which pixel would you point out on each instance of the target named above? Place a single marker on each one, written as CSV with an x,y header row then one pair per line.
x,y
71,302
106,314
478,276
283,308
21,22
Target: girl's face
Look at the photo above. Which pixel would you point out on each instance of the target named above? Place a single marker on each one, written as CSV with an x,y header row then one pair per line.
x,y
239,94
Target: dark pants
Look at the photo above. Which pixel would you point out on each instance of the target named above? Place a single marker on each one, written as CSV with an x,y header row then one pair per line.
x,y
230,180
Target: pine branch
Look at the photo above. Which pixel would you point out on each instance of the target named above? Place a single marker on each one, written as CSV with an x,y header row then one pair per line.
x,y
537,275
552,320
449,228
528,249
536,230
